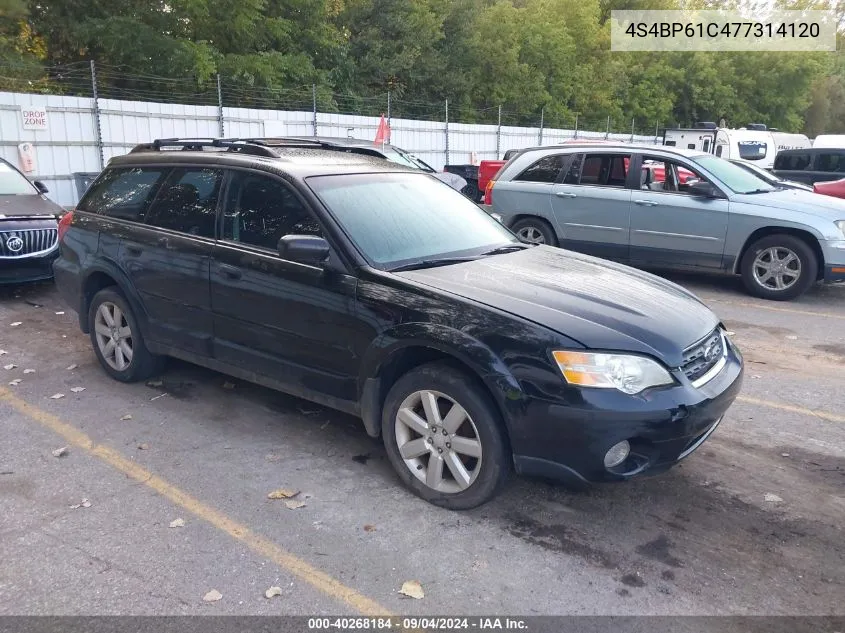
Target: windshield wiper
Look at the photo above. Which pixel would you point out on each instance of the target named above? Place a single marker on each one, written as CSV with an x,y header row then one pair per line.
x,y
510,248
432,263
748,193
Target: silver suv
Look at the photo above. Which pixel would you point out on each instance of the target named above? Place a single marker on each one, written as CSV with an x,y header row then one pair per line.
x,y
660,207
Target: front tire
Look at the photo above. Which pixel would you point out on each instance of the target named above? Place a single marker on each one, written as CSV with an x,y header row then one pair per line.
x,y
779,267
117,338
444,437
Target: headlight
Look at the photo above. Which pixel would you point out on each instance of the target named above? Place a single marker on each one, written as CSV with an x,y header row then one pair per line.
x,y
629,374
841,225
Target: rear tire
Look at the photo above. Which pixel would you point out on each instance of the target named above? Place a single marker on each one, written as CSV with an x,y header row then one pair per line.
x,y
117,339
534,230
455,458
779,267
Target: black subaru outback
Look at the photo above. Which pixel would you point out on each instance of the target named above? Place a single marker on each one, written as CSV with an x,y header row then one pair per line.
x,y
382,292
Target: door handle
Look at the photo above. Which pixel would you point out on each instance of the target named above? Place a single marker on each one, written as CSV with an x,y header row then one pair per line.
x,y
134,250
645,203
163,242
565,194
231,272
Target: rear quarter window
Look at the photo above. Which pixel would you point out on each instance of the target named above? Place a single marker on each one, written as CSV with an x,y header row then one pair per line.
x,y
124,192
547,169
830,161
792,162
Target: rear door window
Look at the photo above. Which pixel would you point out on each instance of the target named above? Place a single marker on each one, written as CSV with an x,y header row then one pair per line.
x,y
188,202
603,170
124,193
547,169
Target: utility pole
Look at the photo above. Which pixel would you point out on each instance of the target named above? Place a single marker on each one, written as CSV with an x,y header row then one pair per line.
x,y
98,130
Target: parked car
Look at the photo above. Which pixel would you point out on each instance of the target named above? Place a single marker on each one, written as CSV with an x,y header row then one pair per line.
x,y
598,201
770,178
376,290
28,228
835,188
810,165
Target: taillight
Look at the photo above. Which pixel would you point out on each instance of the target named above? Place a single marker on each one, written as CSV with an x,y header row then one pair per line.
x,y
64,223
488,192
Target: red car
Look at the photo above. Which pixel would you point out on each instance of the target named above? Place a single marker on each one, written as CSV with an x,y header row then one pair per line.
x,y
835,188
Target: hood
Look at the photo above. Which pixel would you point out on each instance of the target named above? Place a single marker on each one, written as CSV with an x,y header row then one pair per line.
x,y
453,180
26,205
797,200
600,304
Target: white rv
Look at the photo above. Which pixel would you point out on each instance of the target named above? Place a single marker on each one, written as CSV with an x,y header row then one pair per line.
x,y
757,146
784,140
830,141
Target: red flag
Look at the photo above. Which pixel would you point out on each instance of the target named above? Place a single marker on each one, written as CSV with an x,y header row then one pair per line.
x,y
383,132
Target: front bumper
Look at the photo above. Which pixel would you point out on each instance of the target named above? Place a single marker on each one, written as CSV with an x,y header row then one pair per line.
x,y
27,269
834,257
663,426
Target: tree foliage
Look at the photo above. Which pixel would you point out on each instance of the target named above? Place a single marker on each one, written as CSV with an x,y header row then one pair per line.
x,y
526,56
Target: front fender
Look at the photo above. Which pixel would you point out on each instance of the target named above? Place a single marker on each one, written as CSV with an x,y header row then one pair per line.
x,y
467,350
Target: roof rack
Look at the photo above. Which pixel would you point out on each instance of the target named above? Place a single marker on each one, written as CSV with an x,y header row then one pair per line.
x,y
241,146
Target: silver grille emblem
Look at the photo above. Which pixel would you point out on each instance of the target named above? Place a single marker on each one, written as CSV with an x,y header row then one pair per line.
x,y
712,351
14,243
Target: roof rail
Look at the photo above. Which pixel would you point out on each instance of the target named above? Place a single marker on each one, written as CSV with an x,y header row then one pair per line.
x,y
236,145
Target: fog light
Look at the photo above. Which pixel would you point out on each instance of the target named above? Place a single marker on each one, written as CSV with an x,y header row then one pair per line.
x,y
617,454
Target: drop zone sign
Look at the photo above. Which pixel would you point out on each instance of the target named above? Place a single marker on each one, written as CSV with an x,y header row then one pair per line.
x,y
34,118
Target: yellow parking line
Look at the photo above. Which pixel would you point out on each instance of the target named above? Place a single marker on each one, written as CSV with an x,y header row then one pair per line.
x,y
823,415
749,304
258,544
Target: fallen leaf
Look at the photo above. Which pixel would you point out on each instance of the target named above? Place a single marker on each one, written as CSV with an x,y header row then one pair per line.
x,y
128,416
60,452
3,352
15,324
154,383
71,367
56,396
77,389
16,382
9,366
755,376
272,592
293,504
60,312
772,498
729,333
369,528
282,493
784,454
412,589
177,523
143,447
792,337
228,385
212,596
84,504
29,371
273,457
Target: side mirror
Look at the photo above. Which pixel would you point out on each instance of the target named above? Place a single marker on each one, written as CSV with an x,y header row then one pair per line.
x,y
304,249
703,189
42,188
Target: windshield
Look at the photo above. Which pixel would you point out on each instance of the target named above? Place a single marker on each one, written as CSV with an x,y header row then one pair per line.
x,y
401,218
404,158
732,176
758,171
12,183
752,150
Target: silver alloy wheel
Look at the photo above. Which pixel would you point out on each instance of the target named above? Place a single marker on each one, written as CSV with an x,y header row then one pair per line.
x,y
114,337
776,268
531,234
438,441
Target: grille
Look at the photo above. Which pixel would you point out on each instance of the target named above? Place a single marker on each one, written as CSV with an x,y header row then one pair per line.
x,y
33,242
703,356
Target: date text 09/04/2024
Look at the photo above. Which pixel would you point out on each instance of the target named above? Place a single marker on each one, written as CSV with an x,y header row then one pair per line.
x,y
416,623
726,29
